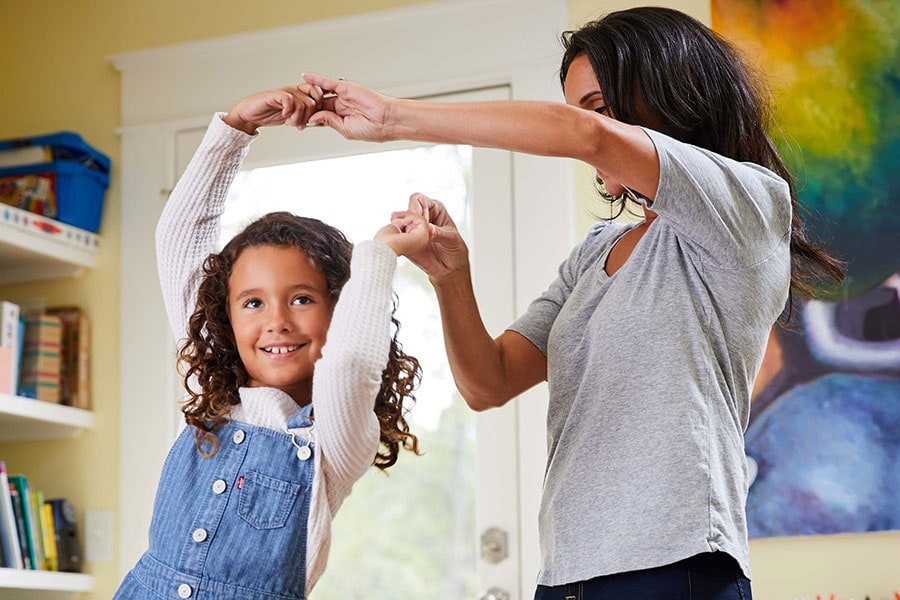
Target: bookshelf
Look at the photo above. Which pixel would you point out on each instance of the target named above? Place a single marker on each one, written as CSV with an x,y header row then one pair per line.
x,y
24,419
34,248
35,585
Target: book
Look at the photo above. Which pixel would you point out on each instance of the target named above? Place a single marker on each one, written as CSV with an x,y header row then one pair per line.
x,y
41,358
74,356
21,528
8,528
10,341
7,385
35,500
20,483
49,528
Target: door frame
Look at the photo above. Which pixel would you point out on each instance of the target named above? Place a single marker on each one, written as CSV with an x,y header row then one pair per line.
x,y
402,52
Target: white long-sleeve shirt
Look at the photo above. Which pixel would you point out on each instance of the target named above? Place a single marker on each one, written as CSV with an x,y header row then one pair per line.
x,y
347,377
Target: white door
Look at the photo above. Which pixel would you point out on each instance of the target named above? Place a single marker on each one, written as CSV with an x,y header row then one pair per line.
x,y
416,533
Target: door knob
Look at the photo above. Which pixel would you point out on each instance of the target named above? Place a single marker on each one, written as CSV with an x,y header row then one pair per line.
x,y
494,545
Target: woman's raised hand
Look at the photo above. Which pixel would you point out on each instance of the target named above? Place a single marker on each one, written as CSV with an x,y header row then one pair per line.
x,y
353,110
293,105
446,252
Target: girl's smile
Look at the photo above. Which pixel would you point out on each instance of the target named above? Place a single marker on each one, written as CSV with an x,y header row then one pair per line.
x,y
280,349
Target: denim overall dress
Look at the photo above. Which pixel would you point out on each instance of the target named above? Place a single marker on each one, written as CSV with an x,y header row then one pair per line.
x,y
232,526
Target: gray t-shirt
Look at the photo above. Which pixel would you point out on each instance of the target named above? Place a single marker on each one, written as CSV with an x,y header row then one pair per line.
x,y
650,371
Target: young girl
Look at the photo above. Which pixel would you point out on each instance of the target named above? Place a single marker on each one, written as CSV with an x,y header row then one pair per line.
x,y
274,441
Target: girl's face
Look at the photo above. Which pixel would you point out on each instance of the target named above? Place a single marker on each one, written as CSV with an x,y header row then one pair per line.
x,y
280,309
583,90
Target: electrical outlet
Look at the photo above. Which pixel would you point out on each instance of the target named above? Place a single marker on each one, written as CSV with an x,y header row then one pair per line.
x,y
98,535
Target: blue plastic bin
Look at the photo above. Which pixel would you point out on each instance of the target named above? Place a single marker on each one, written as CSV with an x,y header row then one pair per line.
x,y
77,173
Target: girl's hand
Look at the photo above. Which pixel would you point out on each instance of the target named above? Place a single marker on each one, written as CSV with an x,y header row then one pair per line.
x,y
446,252
292,105
406,234
353,110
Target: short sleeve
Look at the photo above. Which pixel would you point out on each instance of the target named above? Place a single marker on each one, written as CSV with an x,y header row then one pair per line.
x,y
540,315
737,212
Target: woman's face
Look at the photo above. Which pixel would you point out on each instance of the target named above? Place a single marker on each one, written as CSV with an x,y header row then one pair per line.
x,y
583,90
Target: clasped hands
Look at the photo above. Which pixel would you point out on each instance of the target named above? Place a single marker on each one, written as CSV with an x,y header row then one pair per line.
x,y
354,111
357,112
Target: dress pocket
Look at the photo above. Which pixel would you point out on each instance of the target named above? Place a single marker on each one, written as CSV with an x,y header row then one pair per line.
x,y
265,502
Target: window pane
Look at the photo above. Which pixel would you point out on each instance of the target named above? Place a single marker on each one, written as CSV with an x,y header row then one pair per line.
x,y
410,533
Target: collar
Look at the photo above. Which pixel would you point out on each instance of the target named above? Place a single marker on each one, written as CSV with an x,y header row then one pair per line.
x,y
271,408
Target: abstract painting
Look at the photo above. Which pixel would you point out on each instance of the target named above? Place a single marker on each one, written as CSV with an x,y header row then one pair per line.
x,y
824,435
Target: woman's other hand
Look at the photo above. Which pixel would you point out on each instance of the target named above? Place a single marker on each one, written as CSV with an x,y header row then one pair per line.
x,y
446,252
353,110
293,105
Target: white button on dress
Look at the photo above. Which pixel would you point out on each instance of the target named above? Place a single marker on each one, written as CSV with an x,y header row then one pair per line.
x,y
199,535
184,591
219,486
238,436
303,452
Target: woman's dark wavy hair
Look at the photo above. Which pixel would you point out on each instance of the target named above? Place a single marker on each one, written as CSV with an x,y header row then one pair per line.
x,y
209,356
663,69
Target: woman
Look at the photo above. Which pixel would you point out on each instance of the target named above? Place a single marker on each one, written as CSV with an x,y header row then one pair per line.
x,y
652,334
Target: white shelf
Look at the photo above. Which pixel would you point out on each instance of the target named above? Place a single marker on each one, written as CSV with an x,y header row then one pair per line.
x,y
24,419
53,585
35,248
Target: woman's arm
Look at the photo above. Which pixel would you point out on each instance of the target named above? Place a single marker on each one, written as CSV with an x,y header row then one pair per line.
x,y
488,372
620,151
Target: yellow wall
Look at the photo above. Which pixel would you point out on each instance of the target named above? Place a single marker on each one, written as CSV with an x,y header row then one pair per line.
x,y
56,77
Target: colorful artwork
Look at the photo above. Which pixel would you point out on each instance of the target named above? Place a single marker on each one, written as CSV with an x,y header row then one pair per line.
x,y
825,426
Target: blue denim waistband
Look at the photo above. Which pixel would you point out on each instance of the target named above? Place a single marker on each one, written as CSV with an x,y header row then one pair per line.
x,y
165,582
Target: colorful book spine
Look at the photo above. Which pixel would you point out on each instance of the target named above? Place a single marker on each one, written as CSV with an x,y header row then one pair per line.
x,y
8,526
28,519
51,557
21,527
41,365
35,500
75,356
10,342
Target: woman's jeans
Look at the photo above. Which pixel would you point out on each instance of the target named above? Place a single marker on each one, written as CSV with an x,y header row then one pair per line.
x,y
709,576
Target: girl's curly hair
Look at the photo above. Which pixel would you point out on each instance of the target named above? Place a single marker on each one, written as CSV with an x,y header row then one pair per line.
x,y
209,356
